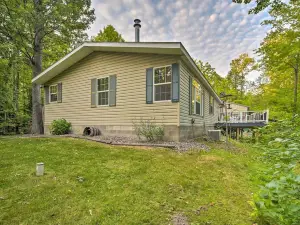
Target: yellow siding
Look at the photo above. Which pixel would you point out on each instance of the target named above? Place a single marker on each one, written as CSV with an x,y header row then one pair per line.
x,y
237,108
207,120
130,69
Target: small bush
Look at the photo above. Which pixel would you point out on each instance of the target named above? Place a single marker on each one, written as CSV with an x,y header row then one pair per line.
x,y
149,130
60,126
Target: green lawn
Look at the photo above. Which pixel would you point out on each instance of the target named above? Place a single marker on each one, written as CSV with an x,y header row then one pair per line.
x,y
123,185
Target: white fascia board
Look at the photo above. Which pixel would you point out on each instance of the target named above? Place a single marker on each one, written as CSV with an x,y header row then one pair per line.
x,y
173,45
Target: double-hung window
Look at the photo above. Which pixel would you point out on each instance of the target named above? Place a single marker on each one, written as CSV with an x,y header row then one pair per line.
x,y
197,99
103,88
162,83
53,93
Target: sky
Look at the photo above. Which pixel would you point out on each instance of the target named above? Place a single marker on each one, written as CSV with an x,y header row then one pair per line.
x,y
214,31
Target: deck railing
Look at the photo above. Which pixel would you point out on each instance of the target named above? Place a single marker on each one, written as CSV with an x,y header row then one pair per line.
x,y
245,117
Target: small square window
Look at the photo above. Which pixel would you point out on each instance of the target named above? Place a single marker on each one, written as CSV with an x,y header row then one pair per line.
x,y
103,98
103,84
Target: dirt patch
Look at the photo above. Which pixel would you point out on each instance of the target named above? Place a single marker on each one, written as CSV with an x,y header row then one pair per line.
x,y
180,219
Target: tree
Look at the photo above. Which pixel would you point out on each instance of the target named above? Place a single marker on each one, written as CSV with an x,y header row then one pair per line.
x,y
239,69
108,34
280,50
31,26
262,4
216,81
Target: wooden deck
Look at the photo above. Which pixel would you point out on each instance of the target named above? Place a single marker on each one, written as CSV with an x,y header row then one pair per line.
x,y
246,119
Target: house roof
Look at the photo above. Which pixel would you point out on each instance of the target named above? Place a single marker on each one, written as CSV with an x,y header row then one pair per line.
x,y
172,48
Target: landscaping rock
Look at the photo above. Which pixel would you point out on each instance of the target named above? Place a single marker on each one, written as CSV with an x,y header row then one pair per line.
x,y
179,146
180,219
182,146
80,179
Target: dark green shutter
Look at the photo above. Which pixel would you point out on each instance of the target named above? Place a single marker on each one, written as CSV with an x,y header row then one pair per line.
x,y
46,92
59,92
213,105
190,94
203,101
175,82
94,93
149,85
112,90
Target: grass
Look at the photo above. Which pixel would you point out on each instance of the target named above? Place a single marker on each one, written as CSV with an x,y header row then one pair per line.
x,y
123,185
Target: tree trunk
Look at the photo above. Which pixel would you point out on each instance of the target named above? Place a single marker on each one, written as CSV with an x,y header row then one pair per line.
x,y
37,116
296,90
16,96
243,81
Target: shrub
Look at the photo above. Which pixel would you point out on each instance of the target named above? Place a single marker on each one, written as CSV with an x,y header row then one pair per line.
x,y
60,126
278,201
149,130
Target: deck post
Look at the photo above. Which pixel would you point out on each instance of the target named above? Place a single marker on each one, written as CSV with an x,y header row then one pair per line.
x,y
241,117
267,117
237,133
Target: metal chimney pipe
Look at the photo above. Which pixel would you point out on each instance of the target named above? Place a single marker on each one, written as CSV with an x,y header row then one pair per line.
x,y
137,27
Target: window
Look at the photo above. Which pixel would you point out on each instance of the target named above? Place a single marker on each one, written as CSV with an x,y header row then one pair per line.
x,y
162,83
53,93
211,105
103,91
197,99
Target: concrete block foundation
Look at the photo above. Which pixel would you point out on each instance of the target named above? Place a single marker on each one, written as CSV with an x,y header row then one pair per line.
x,y
172,132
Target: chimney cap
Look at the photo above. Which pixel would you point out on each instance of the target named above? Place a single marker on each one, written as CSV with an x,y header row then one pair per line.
x,y
137,23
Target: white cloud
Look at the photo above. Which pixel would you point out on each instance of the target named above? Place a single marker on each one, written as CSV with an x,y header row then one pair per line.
x,y
213,17
243,22
211,30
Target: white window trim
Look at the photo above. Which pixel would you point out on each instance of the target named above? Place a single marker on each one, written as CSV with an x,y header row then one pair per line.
x,y
201,90
161,84
53,93
108,86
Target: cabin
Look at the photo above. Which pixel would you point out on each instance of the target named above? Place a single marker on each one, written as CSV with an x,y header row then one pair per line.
x,y
111,86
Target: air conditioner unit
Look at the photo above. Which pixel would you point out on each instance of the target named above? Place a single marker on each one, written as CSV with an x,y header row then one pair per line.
x,y
215,134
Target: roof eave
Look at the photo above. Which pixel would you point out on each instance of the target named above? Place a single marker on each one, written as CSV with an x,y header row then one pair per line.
x,y
195,68
89,47
174,48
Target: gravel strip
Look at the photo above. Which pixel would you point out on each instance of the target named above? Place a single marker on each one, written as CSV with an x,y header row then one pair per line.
x,y
179,146
182,146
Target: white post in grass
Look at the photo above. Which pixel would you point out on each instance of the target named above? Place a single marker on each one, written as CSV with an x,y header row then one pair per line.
x,y
40,169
